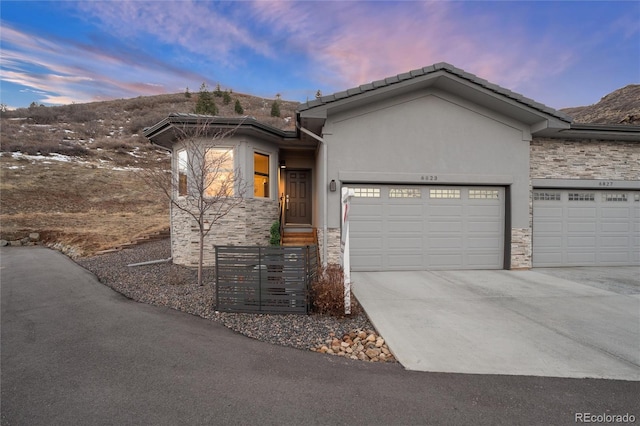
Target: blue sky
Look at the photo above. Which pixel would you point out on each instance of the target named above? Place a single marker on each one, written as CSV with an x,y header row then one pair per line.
x,y
562,54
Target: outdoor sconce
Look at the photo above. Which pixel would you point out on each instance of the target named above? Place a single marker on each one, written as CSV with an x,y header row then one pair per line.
x,y
283,165
332,185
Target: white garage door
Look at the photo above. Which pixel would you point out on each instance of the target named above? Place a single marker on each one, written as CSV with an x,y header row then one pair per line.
x,y
586,228
426,227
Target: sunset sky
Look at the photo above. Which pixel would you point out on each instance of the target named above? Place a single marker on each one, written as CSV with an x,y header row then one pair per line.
x,y
562,54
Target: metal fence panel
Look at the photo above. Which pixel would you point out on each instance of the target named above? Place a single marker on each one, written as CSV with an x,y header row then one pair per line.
x,y
265,279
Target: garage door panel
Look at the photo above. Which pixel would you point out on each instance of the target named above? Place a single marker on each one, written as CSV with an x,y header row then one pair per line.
x,y
616,227
548,212
444,260
439,243
410,226
580,227
476,260
484,227
488,243
622,213
406,241
437,210
581,212
411,261
484,211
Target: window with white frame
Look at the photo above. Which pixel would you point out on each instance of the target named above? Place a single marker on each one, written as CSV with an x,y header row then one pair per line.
x,y
444,193
219,172
546,196
260,175
366,192
404,193
484,193
582,196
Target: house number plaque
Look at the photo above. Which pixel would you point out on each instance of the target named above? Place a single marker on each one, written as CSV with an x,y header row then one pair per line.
x,y
430,178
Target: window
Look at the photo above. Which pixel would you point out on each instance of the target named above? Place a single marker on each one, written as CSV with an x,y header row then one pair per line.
x,y
614,197
260,175
366,192
219,173
404,193
444,193
484,193
182,172
546,196
582,196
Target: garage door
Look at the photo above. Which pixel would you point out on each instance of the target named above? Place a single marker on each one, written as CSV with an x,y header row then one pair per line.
x,y
586,228
426,227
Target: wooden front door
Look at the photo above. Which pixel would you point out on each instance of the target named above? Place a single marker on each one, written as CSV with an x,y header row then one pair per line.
x,y
298,197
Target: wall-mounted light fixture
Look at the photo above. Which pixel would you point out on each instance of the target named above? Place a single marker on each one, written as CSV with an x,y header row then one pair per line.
x,y
332,185
283,165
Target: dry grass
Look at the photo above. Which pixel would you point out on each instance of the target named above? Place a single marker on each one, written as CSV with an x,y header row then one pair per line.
x,y
78,205
87,204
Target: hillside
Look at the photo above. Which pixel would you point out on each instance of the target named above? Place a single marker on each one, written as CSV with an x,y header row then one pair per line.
x,y
71,173
619,107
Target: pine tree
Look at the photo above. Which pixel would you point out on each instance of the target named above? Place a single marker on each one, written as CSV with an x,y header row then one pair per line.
x,y
275,109
187,93
226,98
205,104
218,92
238,107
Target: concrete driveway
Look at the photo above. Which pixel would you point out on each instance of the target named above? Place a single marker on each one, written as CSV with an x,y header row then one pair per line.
x,y
569,322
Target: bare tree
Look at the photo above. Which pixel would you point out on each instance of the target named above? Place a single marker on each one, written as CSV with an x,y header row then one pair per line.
x,y
206,185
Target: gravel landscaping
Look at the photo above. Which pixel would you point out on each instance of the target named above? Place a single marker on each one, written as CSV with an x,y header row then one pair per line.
x,y
166,284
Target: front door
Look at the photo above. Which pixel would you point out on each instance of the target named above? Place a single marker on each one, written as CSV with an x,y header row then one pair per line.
x,y
298,197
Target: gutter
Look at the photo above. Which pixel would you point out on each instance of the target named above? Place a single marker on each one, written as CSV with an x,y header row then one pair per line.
x,y
324,192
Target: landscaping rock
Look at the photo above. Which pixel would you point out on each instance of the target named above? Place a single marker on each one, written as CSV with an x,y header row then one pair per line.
x,y
364,345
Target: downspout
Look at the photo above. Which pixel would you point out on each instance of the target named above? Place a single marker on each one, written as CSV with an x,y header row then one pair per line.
x,y
324,192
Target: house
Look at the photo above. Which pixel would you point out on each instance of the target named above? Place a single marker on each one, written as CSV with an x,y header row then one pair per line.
x,y
449,171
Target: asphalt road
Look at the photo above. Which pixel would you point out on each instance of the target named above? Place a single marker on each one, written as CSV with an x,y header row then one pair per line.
x,y
75,352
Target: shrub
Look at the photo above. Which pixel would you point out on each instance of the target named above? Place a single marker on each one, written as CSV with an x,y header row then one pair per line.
x,y
327,293
275,234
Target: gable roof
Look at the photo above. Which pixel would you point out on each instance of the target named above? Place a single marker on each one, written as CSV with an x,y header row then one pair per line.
x,y
446,77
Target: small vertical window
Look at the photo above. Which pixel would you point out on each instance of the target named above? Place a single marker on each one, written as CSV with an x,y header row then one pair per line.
x,y
182,172
260,175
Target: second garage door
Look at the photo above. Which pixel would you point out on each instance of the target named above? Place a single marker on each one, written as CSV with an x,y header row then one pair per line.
x,y
426,227
573,227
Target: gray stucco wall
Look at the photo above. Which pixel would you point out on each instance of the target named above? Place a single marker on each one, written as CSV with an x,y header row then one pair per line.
x,y
431,137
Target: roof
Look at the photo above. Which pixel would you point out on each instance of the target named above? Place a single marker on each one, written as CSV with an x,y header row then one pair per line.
x,y
441,67
162,133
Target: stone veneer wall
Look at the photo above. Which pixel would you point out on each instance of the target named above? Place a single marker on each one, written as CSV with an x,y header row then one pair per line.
x,y
247,224
520,248
333,245
584,159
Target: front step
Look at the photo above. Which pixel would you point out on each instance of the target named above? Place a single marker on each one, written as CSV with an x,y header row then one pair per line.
x,y
299,238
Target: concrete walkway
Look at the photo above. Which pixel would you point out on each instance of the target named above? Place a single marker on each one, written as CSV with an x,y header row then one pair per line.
x,y
557,324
